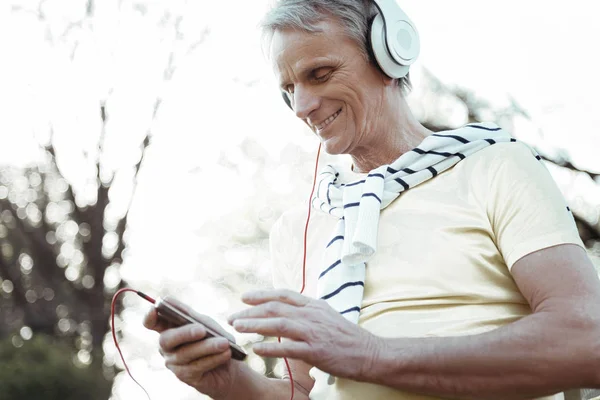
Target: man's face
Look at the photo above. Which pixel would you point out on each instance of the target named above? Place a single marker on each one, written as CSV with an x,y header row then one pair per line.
x,y
332,87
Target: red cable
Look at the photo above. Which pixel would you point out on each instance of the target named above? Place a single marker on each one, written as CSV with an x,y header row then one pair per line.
x,y
114,334
287,364
308,218
151,300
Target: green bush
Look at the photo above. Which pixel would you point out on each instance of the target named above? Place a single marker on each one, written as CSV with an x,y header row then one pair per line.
x,y
42,369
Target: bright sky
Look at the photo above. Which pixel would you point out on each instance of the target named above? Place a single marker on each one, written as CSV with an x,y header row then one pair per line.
x,y
538,52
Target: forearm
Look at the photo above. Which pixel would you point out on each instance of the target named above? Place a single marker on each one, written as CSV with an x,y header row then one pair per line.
x,y
281,389
532,357
252,385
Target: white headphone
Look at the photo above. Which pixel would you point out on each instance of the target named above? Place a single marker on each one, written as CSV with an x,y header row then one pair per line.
x,y
394,41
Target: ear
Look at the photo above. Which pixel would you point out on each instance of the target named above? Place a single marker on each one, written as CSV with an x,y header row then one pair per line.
x,y
387,81
390,81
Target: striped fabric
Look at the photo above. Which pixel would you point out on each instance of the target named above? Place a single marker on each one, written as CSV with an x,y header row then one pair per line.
x,y
357,206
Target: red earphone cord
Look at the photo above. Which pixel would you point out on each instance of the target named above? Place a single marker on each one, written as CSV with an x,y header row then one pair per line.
x,y
151,300
114,334
287,364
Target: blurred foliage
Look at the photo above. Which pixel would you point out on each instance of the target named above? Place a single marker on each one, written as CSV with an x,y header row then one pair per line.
x,y
60,253
63,240
43,368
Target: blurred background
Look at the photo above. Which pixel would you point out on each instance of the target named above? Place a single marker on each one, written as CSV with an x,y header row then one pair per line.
x,y
120,119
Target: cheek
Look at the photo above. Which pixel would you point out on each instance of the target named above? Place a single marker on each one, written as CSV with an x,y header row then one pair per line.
x,y
370,104
353,102
356,118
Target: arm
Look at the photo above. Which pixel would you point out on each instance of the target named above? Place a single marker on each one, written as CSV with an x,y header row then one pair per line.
x,y
252,385
554,349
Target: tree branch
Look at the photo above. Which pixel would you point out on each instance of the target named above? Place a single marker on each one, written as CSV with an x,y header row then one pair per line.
x,y
567,164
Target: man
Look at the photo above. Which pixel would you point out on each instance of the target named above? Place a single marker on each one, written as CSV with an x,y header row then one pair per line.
x,y
471,282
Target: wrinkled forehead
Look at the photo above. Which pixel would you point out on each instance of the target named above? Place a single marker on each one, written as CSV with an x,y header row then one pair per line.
x,y
290,44
290,48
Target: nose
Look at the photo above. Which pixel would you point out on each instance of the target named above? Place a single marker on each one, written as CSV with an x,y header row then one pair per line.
x,y
305,102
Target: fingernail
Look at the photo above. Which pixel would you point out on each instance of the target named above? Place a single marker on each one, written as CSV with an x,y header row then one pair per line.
x,y
258,347
223,344
249,295
239,325
198,331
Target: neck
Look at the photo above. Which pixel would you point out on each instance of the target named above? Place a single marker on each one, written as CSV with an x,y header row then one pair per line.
x,y
400,133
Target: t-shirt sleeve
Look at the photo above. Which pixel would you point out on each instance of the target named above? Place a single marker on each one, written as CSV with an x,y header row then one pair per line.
x,y
526,209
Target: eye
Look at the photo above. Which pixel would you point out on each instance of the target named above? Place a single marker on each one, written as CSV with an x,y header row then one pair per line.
x,y
322,74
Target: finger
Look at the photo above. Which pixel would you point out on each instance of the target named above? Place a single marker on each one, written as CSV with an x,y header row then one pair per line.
x,y
170,339
272,309
200,366
281,295
151,319
201,318
187,353
153,322
287,348
278,327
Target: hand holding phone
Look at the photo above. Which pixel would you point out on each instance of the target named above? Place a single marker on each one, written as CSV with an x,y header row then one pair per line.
x,y
175,313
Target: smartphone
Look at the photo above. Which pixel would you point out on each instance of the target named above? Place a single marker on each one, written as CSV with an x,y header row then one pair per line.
x,y
178,317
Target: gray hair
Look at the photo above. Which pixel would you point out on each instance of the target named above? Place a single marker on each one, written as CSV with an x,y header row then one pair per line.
x,y
355,17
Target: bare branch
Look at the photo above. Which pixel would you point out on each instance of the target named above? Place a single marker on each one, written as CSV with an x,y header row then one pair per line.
x,y
567,164
586,230
475,105
89,8
198,42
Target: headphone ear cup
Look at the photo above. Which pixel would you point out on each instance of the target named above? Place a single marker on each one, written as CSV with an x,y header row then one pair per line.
x,y
385,61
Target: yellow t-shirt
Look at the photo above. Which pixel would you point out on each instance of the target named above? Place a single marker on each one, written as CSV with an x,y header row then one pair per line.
x,y
444,254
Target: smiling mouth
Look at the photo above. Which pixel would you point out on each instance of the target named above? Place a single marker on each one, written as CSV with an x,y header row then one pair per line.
x,y
328,121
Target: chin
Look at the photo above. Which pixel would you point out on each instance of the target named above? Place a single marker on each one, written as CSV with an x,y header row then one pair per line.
x,y
333,147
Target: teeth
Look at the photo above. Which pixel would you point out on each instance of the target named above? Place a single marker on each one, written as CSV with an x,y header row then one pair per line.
x,y
328,121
